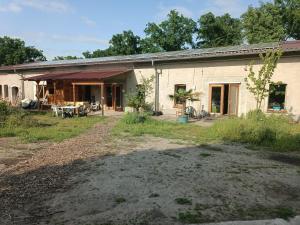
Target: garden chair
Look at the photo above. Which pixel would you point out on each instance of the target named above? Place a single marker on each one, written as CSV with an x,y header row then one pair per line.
x,y
56,110
82,111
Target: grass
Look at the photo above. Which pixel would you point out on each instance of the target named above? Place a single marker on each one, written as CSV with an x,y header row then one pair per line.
x,y
34,127
277,133
120,200
205,154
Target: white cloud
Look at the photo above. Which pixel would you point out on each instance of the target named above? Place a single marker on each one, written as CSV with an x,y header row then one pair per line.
x,y
10,7
164,10
88,21
57,6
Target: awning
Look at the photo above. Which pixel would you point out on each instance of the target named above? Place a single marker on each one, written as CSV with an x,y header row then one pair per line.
x,y
83,75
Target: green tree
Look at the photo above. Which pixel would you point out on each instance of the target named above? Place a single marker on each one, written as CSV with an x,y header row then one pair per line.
x,y
183,96
290,11
137,100
215,31
263,24
13,51
69,57
258,84
125,43
174,33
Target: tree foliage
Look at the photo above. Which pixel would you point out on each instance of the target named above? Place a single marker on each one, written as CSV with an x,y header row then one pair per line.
x,y
13,51
126,43
137,100
69,57
215,31
263,24
290,11
258,84
174,33
183,95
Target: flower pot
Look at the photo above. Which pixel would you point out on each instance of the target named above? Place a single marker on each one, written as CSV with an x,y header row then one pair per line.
x,y
183,119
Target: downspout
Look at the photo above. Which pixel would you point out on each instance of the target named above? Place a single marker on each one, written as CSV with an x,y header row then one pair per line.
x,y
156,89
22,83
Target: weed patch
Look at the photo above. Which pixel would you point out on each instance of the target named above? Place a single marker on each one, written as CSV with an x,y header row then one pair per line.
x,y
183,201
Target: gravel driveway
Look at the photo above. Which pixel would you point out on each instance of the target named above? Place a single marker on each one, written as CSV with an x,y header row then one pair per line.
x,y
97,179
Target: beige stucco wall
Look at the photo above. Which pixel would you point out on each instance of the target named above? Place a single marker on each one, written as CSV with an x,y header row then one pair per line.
x,y
198,76
27,89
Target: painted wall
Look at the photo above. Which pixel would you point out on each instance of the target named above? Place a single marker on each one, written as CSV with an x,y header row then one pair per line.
x,y
197,76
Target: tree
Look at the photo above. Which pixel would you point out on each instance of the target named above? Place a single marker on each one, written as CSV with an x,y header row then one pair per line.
x,y
69,57
182,96
263,24
258,84
13,51
137,100
174,33
290,11
215,31
125,43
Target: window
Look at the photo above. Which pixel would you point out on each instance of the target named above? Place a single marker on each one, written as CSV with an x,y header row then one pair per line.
x,y
277,97
179,87
1,95
5,91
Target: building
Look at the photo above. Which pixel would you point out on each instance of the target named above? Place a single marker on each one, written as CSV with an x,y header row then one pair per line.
x,y
217,73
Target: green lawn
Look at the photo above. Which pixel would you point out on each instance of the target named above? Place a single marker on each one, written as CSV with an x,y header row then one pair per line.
x,y
277,133
44,127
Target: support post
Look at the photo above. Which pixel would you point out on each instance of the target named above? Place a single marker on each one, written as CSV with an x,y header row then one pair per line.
x,y
38,94
102,99
54,92
74,94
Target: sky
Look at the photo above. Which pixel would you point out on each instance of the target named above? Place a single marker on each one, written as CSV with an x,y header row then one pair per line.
x,y
70,27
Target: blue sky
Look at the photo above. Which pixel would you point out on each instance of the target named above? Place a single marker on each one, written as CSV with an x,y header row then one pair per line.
x,y
69,27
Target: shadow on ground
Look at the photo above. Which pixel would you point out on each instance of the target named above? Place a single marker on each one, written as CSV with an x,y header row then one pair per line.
x,y
153,185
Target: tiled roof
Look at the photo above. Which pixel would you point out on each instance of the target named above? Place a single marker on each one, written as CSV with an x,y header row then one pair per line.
x,y
166,56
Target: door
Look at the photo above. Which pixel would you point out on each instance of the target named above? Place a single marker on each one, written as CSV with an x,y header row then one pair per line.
x,y
109,96
216,99
118,97
233,99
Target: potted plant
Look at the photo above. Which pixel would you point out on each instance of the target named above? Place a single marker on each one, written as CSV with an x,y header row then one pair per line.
x,y
182,96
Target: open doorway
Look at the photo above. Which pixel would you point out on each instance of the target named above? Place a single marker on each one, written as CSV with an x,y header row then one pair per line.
x,y
223,99
15,94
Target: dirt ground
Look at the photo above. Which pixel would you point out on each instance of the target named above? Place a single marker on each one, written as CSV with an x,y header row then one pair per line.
x,y
97,179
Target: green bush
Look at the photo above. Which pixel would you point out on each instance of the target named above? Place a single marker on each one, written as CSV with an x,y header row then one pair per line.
x,y
256,128
134,118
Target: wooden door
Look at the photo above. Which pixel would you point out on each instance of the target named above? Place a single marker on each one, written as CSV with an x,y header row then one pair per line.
x,y
118,97
216,98
233,99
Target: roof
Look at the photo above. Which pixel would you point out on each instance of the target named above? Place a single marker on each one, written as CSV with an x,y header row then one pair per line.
x,y
201,53
88,75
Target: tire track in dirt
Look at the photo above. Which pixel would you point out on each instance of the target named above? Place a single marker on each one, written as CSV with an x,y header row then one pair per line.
x,y
25,186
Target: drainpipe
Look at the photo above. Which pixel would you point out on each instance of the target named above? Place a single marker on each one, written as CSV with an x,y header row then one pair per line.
x,y
22,83
156,99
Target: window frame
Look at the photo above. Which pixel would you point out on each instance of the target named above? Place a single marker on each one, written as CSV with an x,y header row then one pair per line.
x,y
176,87
5,91
283,110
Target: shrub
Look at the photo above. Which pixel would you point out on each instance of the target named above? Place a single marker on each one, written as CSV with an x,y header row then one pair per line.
x,y
134,118
4,112
259,129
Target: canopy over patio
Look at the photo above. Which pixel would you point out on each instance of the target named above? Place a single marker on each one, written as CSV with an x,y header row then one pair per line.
x,y
103,87
82,75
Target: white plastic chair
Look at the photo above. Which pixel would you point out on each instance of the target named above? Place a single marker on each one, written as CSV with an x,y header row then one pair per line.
x,y
56,110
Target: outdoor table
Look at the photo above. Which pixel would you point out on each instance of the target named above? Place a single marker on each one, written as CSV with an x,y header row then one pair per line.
x,y
74,108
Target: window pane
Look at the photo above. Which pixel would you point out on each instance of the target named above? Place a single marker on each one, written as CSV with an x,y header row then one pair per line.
x,y
216,99
277,96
